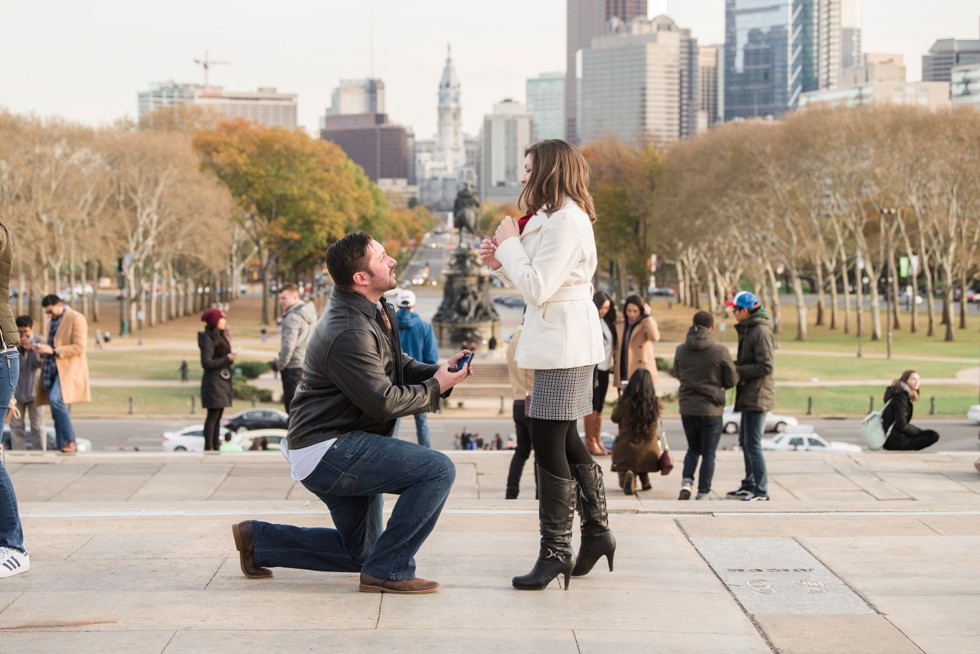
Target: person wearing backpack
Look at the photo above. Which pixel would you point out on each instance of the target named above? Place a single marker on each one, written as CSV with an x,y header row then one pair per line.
x,y
896,417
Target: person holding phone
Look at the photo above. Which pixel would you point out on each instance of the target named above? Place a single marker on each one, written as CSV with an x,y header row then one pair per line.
x,y
549,255
217,358
356,382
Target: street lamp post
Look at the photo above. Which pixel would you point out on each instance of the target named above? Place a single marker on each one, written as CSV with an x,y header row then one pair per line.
x,y
888,286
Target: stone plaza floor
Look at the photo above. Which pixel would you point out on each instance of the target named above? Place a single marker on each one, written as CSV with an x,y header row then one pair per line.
x,y
864,552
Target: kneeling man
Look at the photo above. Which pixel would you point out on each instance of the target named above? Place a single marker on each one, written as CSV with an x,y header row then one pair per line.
x,y
356,381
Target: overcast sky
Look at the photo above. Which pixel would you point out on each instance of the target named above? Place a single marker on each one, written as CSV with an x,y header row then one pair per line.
x,y
85,60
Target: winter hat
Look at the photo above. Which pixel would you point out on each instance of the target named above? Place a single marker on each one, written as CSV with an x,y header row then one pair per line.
x,y
212,316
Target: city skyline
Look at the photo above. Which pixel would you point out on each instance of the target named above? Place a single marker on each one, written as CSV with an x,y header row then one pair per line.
x,y
93,57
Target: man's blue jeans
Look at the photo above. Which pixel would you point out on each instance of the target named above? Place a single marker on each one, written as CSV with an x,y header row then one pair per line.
x,y
750,440
421,429
11,534
703,434
63,430
350,480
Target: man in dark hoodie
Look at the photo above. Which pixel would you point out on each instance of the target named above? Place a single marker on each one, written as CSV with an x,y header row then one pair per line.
x,y
755,392
298,319
705,370
418,342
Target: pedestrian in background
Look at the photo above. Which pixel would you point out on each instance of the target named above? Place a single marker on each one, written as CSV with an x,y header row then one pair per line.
x,y
521,381
755,392
705,370
217,358
184,371
298,319
636,450
419,342
600,382
26,392
64,375
13,556
901,396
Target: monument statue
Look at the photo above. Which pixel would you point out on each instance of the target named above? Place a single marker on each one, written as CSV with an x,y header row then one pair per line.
x,y
466,211
466,314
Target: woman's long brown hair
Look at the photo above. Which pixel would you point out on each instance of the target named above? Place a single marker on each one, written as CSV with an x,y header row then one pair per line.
x,y
558,172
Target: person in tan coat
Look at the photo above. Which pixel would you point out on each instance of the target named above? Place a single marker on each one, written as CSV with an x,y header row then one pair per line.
x,y
64,375
635,335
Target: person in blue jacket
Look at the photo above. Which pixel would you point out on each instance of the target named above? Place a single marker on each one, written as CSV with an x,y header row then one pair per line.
x,y
419,342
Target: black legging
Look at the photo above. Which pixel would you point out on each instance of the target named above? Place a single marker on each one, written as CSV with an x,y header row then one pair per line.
x,y
557,446
212,430
599,389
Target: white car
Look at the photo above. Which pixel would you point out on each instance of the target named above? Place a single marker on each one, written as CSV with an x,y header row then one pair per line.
x,y
797,442
776,422
974,413
273,437
188,439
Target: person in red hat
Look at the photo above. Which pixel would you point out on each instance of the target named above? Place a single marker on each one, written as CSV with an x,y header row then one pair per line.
x,y
217,358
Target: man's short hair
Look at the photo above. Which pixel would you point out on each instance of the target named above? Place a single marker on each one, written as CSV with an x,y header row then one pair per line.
x,y
704,319
50,300
290,288
24,321
346,257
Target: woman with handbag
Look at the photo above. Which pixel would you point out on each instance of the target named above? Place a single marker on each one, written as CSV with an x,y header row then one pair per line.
x,y
896,417
551,258
637,449
216,359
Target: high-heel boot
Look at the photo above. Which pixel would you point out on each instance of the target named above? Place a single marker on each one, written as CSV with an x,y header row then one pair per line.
x,y
556,512
593,437
597,540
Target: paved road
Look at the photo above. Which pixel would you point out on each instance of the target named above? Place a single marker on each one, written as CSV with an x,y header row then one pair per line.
x,y
957,435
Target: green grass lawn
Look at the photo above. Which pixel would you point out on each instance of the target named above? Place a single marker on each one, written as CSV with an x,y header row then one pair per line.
x,y
790,367
951,400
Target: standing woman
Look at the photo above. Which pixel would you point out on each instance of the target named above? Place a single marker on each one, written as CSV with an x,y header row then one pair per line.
x,y
600,385
636,333
216,359
551,258
896,418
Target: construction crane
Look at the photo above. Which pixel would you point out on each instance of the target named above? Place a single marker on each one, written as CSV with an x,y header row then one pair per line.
x,y
206,64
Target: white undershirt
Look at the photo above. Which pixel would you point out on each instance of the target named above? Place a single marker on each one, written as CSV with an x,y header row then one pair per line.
x,y
303,462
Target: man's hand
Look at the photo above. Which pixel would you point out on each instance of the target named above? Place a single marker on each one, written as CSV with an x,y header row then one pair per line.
x,y
43,348
449,379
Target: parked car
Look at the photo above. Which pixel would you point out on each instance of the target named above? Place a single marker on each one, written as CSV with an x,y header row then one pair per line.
x,y
76,290
188,439
273,438
84,444
806,442
257,419
973,413
509,300
777,422
663,291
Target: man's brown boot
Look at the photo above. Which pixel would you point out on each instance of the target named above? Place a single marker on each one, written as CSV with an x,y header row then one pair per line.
x,y
243,543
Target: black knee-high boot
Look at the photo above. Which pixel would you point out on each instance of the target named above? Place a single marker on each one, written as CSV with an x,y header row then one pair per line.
x,y
597,540
556,511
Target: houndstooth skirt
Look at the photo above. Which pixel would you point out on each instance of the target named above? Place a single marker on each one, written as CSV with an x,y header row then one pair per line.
x,y
562,393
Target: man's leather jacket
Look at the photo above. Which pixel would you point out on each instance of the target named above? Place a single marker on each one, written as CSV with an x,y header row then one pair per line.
x,y
355,376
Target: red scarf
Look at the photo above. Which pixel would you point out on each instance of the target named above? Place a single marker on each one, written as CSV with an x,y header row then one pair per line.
x,y
522,221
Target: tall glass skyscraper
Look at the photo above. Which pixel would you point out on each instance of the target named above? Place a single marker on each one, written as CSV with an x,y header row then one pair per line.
x,y
771,55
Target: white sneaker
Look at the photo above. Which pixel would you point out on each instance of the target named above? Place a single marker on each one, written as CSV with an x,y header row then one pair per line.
x,y
13,562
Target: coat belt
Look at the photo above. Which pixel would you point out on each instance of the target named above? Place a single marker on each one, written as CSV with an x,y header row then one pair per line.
x,y
569,293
